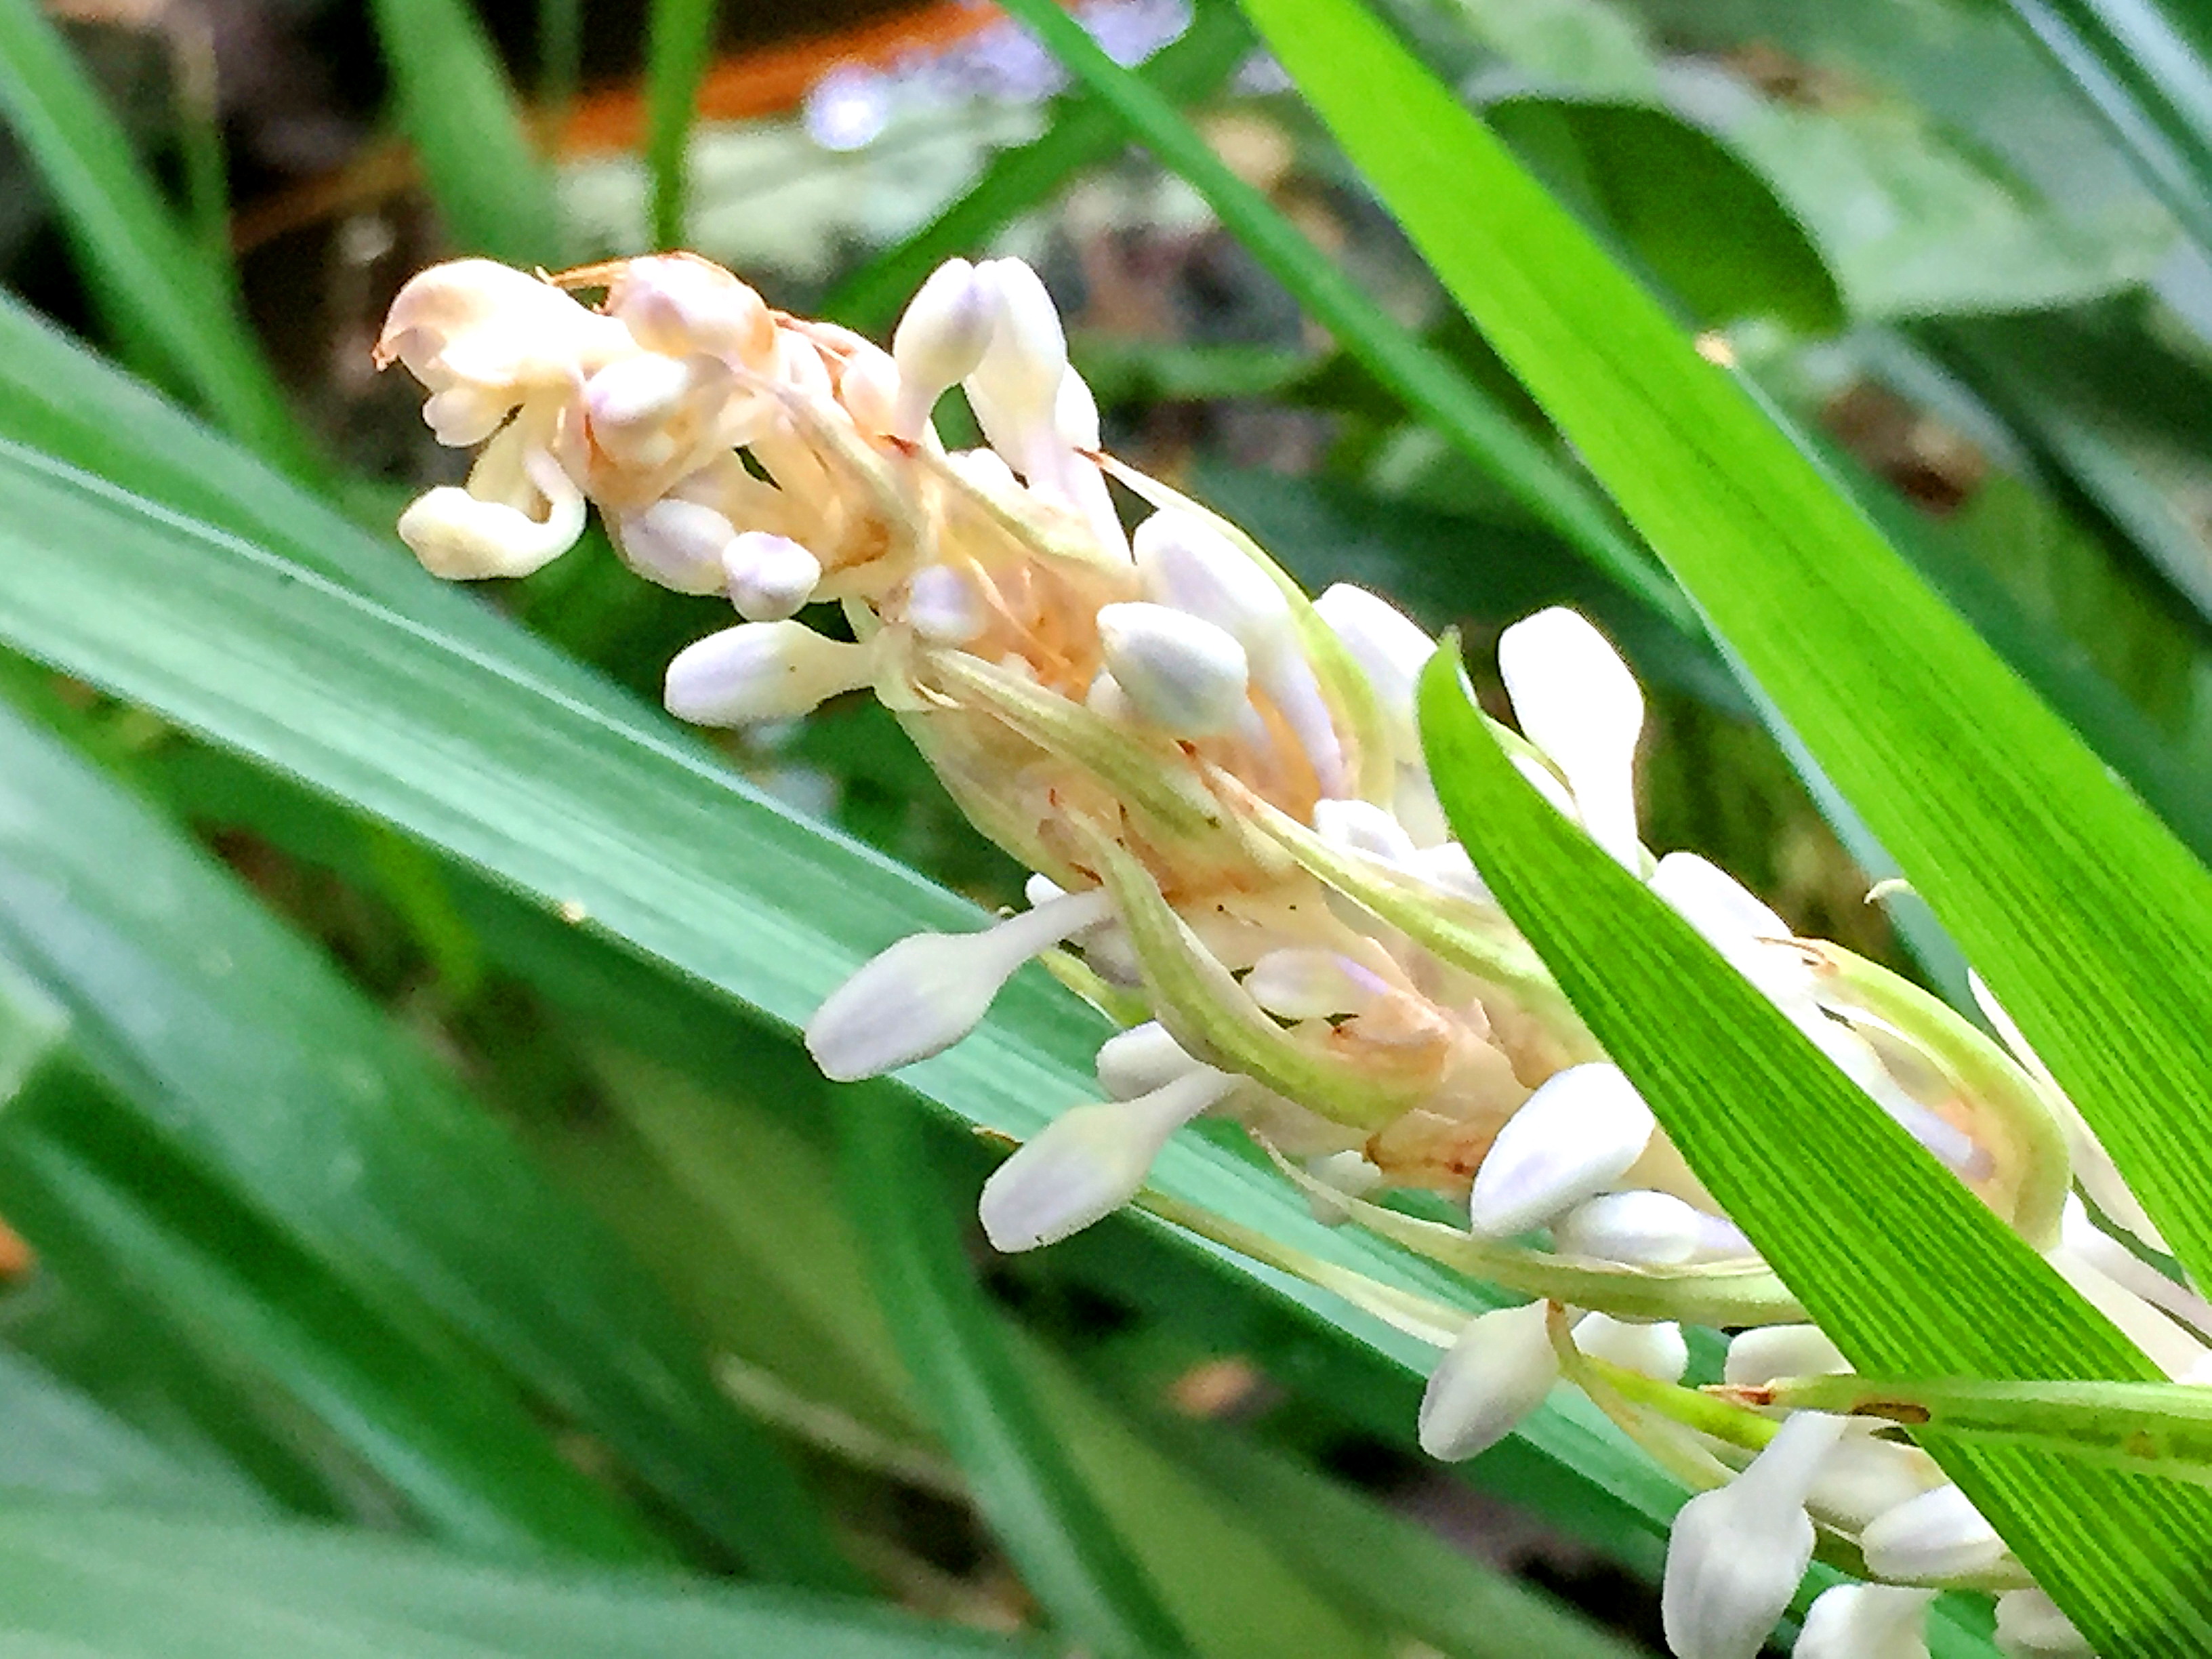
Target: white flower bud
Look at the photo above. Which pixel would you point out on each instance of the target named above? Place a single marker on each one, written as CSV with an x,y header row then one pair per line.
x,y
1577,702
928,991
1497,1372
1735,1556
769,576
1186,562
1389,648
1936,1536
986,471
1041,890
1015,389
1760,1356
1645,1230
1571,1139
1738,925
2164,1343
1363,827
2031,1626
1865,1621
1348,1173
1178,671
1448,868
944,606
675,543
1140,1059
2091,1244
677,304
1075,412
940,339
869,386
759,671
463,538
1089,1161
1655,1350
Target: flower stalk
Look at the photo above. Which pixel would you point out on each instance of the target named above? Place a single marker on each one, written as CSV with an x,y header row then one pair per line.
x,y
1239,858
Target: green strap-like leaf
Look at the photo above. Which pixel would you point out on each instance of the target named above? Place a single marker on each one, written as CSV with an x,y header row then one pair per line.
x,y
97,1583
226,1039
973,1384
2144,73
1889,1254
458,109
174,299
679,38
2089,920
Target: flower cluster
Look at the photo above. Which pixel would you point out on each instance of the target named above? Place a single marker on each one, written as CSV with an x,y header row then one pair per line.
x,y
1240,857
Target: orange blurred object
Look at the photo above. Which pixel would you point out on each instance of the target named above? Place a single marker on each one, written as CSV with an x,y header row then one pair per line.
x,y
776,78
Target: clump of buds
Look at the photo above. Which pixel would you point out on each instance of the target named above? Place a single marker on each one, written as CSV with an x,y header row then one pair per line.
x,y
1239,855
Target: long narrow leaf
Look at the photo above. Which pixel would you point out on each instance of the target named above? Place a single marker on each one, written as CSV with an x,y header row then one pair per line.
x,y
122,1585
458,109
1907,1271
127,234
1048,1519
679,35
2091,922
2141,71
229,1040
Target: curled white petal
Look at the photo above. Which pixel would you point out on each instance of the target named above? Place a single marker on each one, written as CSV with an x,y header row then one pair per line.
x,y
1089,1161
1178,671
1772,1350
1497,1372
1866,1621
1577,702
1735,1556
1654,1350
1935,1536
929,990
944,606
769,576
676,543
940,339
1646,1229
758,671
458,536
2031,1626
1140,1059
1571,1139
